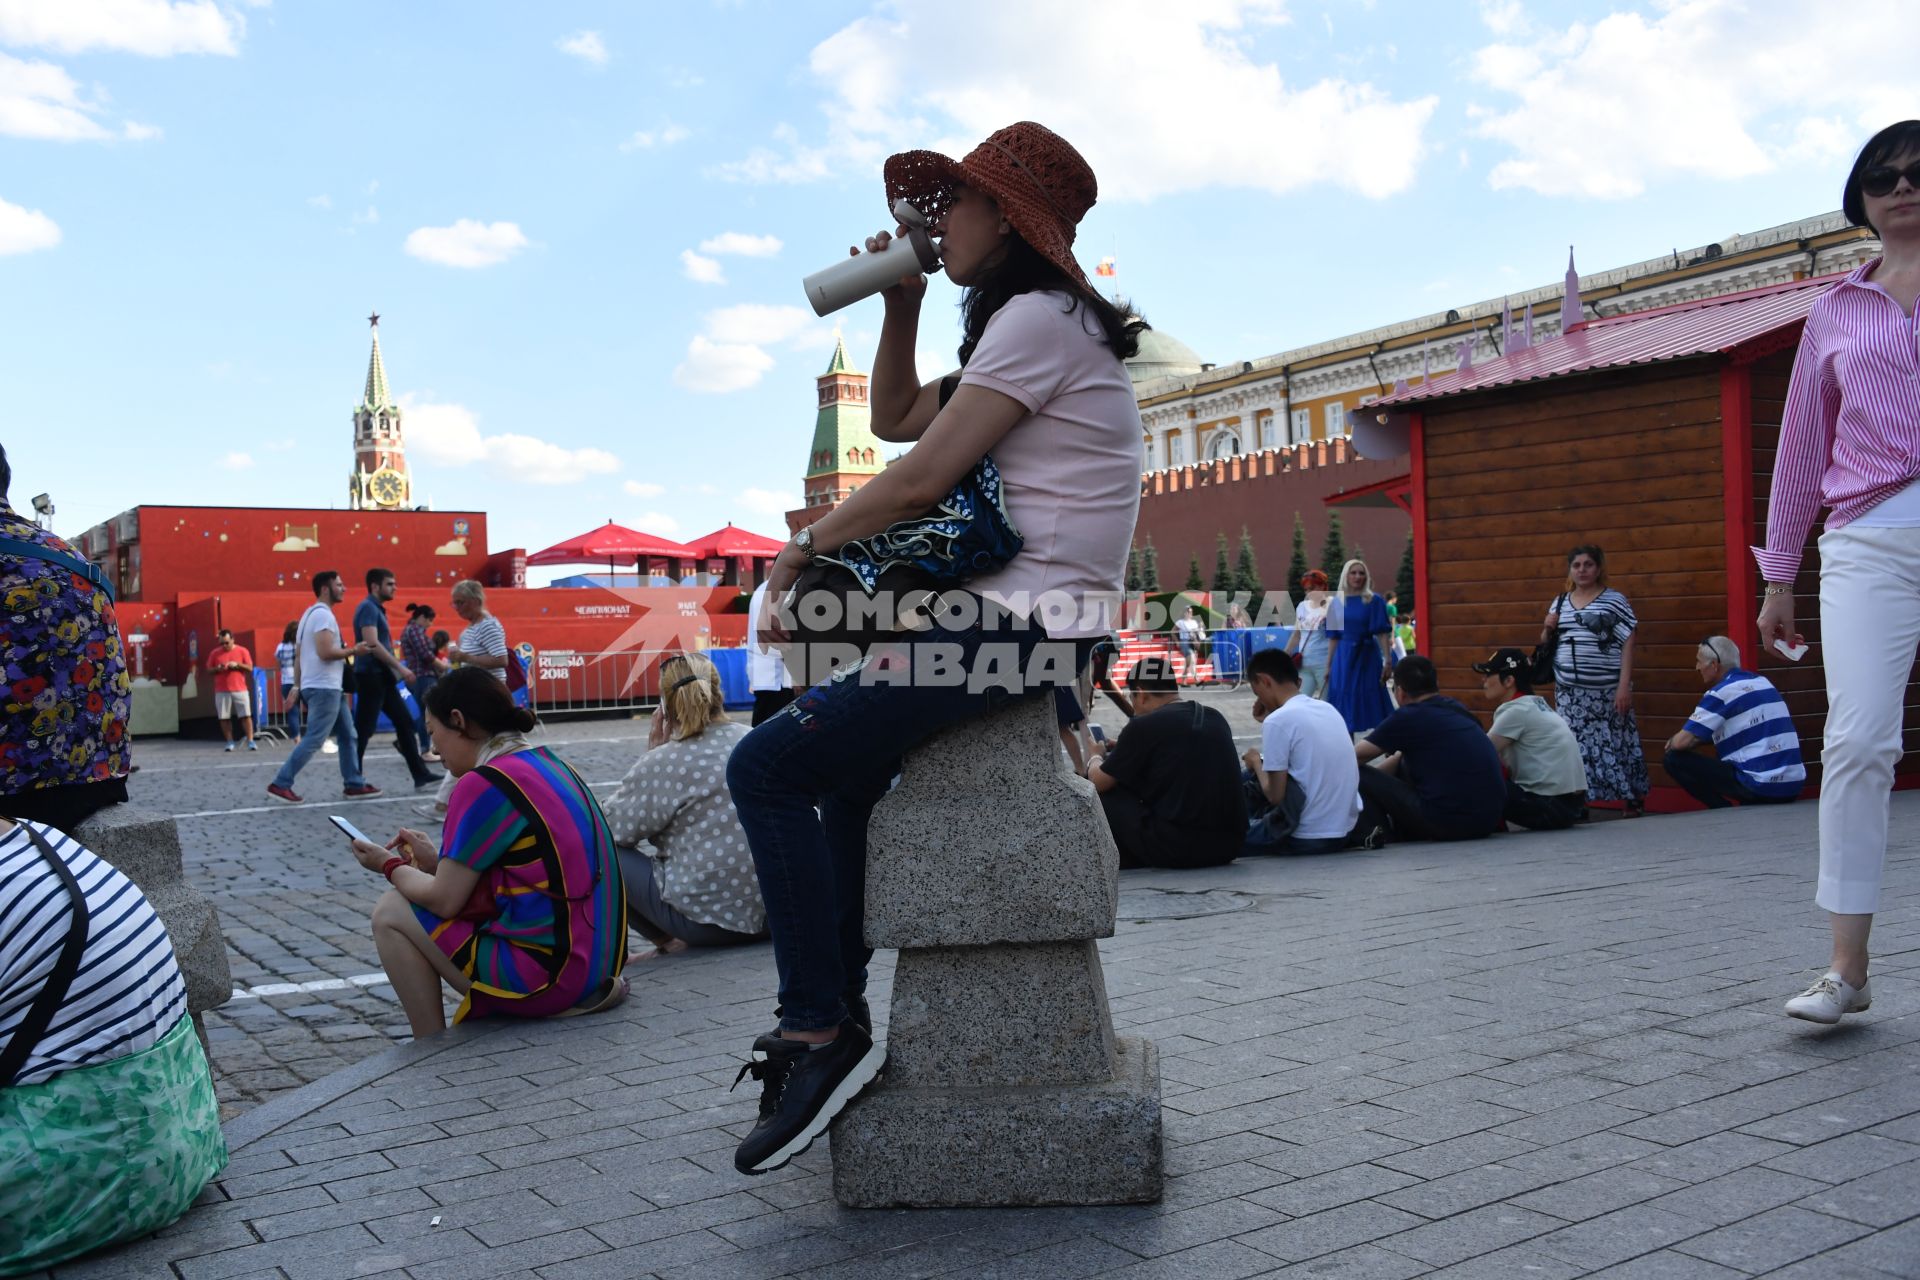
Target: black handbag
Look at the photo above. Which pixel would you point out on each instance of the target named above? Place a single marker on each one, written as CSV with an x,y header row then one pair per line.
x,y
26,1036
1540,666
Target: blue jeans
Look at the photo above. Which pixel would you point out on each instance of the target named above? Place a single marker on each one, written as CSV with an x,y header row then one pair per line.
x,y
422,686
806,780
1270,827
292,705
327,712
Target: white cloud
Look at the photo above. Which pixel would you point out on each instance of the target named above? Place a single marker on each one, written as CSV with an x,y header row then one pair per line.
x,y
644,488
237,461
320,202
741,245
699,269
656,522
134,131
586,46
153,28
1700,88
467,243
730,355
24,230
760,323
648,139
39,100
450,435
719,367
768,502
1214,116
371,216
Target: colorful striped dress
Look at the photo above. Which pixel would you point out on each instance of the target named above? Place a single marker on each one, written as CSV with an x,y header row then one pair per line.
x,y
557,927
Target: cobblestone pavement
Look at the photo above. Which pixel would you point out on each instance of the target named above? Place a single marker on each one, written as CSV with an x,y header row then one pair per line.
x,y
1538,1056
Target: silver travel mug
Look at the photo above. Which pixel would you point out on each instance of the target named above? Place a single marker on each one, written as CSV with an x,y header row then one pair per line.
x,y
865,274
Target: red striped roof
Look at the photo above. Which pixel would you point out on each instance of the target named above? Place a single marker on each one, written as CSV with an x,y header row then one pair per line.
x,y
1639,337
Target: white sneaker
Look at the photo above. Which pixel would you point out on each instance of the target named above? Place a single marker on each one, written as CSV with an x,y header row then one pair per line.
x,y
230,746
1830,999
329,748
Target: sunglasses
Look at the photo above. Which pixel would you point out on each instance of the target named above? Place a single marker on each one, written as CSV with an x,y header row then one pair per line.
x,y
1883,178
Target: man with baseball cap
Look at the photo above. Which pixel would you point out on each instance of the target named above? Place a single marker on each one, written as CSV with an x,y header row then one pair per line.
x,y
1171,783
1745,718
1546,781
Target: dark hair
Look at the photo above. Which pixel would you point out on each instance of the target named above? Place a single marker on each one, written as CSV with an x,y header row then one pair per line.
x,y
1152,674
224,631
420,612
441,639
1522,679
324,579
377,576
1891,142
1415,674
1599,560
1275,664
293,629
1023,270
483,700
6,473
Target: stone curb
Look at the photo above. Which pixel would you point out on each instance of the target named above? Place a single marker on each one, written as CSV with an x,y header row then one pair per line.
x,y
279,1112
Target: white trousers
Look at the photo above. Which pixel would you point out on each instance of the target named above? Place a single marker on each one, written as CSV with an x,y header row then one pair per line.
x,y
1869,630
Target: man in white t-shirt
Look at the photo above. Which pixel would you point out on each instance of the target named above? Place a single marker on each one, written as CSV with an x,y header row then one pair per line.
x,y
767,677
1546,780
319,665
1302,781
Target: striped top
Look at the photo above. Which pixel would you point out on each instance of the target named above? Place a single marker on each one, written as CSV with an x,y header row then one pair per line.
x,y
1746,719
128,992
1592,640
487,637
1850,433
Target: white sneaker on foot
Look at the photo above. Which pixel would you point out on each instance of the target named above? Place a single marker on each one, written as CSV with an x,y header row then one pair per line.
x,y
1830,999
329,748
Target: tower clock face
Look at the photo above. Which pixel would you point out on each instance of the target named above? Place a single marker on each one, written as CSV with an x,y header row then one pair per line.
x,y
388,487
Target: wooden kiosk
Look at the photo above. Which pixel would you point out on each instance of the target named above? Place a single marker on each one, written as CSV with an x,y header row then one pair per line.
x,y
1651,434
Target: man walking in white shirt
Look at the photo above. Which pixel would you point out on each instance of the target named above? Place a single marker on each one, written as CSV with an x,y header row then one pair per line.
x,y
767,676
319,668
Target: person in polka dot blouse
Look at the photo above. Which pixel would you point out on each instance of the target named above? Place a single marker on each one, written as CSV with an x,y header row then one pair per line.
x,y
692,881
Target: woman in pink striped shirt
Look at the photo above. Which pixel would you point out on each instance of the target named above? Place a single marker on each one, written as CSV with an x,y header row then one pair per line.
x,y
1850,441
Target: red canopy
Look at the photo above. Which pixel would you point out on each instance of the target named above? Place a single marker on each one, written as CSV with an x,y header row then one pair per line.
x,y
611,542
733,543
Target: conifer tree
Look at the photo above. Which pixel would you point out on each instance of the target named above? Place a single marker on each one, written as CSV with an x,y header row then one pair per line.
x,y
1222,571
1194,581
1333,552
1403,581
1133,569
1149,567
1297,566
1246,577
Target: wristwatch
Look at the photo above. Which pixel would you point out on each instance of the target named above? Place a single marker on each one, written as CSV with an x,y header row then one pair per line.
x,y
803,541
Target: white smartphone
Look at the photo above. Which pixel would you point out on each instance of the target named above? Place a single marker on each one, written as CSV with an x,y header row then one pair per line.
x,y
1791,652
352,832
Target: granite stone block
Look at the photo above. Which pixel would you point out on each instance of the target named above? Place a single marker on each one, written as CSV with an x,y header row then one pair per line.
x,y
1019,853
950,1022
145,846
1006,1145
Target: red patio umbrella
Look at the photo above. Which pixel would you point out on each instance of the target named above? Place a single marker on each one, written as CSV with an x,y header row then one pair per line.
x,y
611,542
735,543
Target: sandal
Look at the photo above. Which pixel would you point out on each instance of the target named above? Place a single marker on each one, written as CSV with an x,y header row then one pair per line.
x,y
603,997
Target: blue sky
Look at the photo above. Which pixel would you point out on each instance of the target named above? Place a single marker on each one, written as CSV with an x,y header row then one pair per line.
x,y
584,225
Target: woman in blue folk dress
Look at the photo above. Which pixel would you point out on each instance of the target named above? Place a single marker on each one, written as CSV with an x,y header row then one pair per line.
x,y
1363,636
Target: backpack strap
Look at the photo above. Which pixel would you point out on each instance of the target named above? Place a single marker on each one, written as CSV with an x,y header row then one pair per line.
x,y
26,1036
72,563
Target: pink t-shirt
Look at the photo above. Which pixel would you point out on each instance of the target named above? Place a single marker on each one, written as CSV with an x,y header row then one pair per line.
x,y
1071,467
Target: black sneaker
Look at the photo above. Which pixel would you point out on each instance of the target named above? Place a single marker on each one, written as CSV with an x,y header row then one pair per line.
x,y
426,780
801,1090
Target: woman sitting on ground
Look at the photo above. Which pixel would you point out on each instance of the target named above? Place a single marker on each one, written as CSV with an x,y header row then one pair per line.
x,y
522,914
108,1124
693,886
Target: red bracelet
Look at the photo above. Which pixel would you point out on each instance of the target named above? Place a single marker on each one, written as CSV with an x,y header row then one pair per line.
x,y
391,865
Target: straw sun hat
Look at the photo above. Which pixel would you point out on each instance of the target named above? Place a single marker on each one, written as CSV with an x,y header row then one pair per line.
x,y
1042,185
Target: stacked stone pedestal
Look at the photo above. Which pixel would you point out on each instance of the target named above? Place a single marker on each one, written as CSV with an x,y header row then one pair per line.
x,y
991,869
145,846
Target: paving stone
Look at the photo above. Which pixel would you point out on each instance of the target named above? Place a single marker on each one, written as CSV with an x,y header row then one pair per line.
x,y
1362,1262
1668,1265
1220,1260
1330,1190
1597,1193
1879,1199
1470,1234
1331,1230
1773,1239
1173,1232
1617,1236
1520,1260
1736,1195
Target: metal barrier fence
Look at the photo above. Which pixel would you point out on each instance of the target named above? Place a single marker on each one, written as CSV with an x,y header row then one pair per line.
x,y
564,680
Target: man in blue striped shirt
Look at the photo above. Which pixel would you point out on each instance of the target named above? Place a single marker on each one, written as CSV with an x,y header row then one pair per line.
x,y
1746,720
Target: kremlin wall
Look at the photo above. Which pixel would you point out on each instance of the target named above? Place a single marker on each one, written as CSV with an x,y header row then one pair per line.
x,y
1225,448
